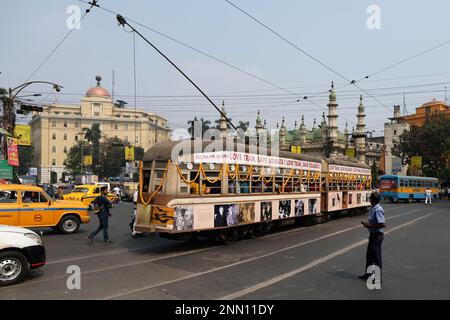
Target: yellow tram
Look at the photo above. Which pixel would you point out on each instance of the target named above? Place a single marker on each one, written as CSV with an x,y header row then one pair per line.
x,y
242,190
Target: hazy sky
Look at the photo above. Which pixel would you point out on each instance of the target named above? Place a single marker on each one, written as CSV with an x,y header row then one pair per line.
x,y
335,32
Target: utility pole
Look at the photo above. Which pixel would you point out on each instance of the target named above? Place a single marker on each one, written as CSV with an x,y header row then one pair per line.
x,y
9,112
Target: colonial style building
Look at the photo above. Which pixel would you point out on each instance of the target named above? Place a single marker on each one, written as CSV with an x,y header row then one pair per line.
x,y
426,110
55,130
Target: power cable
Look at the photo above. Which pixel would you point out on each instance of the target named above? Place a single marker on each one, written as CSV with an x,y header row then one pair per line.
x,y
93,3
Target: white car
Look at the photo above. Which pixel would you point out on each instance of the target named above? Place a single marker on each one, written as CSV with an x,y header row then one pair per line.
x,y
20,251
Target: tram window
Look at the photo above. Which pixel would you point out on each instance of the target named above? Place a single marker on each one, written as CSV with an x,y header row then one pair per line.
x,y
146,180
243,187
406,183
212,188
194,178
278,182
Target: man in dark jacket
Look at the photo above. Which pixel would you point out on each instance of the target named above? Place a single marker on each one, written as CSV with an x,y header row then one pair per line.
x,y
103,216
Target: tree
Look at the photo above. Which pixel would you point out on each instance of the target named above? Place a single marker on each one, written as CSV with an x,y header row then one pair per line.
x,y
243,125
431,142
74,161
3,91
375,172
205,126
139,153
93,135
25,159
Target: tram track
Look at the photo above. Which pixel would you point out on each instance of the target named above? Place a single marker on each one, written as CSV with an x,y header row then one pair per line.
x,y
249,260
274,236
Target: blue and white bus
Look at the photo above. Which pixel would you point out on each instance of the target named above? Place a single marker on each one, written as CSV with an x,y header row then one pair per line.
x,y
407,188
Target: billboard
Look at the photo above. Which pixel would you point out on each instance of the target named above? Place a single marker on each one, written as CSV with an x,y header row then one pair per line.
x,y
129,153
350,152
23,134
88,160
6,171
13,152
416,162
396,164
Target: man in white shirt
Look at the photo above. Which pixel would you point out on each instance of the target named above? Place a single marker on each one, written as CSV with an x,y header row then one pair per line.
x,y
116,191
134,233
428,194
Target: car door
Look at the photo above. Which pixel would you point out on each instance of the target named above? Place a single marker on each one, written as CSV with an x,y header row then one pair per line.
x,y
9,208
35,210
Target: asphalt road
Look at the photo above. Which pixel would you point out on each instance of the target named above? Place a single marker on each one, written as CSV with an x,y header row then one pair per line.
x,y
318,262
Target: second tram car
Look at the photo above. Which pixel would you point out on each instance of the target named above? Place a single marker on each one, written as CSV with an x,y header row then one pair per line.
x,y
232,193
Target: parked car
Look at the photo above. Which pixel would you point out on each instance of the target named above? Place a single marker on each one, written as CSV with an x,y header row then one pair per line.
x,y
87,193
21,250
30,206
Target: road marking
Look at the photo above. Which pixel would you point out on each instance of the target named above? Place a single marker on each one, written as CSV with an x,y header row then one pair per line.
x,y
116,266
312,264
317,226
244,261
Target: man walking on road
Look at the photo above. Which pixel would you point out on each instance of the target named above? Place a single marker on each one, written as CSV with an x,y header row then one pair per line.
x,y
376,225
103,216
428,196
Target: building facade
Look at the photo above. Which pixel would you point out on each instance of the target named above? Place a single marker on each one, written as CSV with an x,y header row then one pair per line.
x,y
426,110
392,131
55,130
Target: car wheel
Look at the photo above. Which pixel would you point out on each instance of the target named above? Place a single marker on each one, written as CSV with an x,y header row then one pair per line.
x,y
13,267
69,224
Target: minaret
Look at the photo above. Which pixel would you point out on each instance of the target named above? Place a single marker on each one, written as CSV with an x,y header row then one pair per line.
x,y
302,130
282,134
332,117
223,123
346,134
360,142
259,127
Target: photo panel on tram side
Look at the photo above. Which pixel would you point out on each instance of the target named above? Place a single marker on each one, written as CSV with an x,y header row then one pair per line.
x,y
246,213
266,211
284,209
313,206
184,218
225,215
300,207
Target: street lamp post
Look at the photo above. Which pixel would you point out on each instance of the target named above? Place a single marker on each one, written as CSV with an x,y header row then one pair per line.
x,y
9,115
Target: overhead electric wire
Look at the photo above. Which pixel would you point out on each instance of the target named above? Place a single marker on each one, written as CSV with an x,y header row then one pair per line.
x,y
406,59
202,53
353,82
93,3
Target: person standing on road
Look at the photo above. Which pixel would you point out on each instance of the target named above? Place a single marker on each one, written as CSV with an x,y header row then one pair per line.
x,y
134,233
428,196
103,216
116,190
375,224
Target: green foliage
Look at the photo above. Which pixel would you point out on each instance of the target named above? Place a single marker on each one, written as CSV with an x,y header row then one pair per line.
x,y
431,142
206,125
3,92
74,160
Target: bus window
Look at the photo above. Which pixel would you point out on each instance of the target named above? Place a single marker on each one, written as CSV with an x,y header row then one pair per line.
x,y
388,183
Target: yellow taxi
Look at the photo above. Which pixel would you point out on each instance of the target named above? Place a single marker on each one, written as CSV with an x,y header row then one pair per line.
x,y
29,206
87,193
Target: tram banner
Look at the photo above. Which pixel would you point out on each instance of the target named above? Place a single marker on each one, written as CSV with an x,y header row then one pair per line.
x,y
250,159
355,170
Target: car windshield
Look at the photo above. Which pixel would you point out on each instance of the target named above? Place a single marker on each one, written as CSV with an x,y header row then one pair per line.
x,y
80,190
